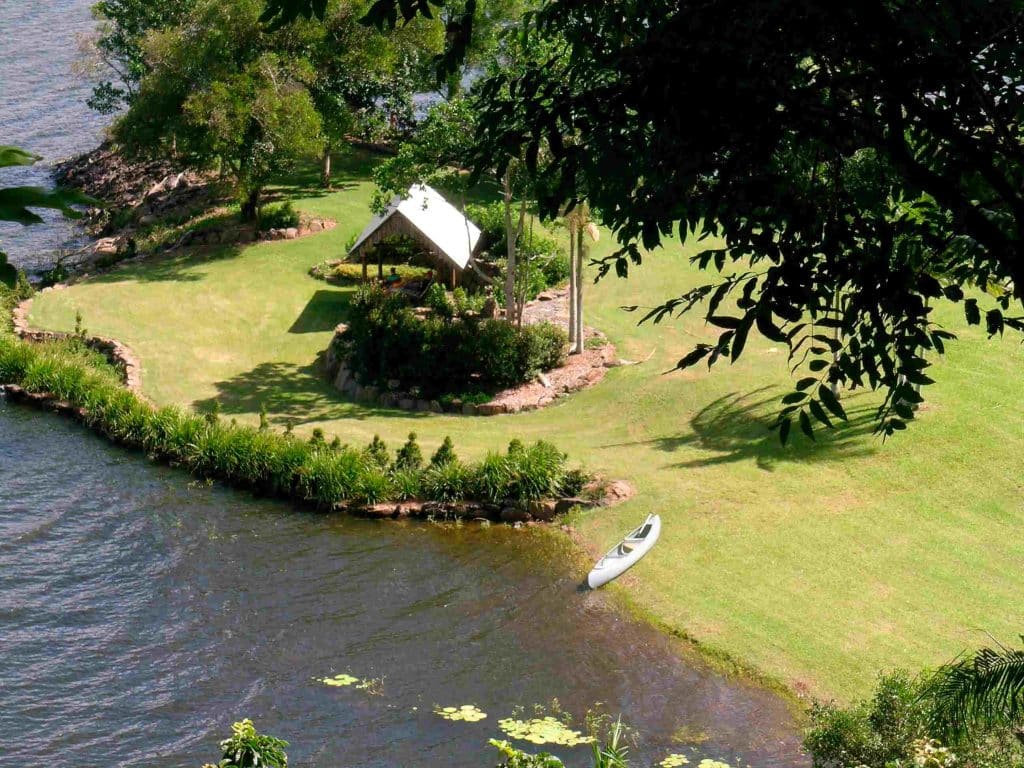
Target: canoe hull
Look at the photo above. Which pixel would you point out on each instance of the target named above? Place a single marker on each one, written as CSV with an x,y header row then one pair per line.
x,y
613,564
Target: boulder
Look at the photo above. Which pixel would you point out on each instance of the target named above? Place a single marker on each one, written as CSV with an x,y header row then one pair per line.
x,y
388,400
468,409
423,405
544,380
514,515
406,403
148,220
106,246
369,394
316,226
435,407
491,409
543,510
291,233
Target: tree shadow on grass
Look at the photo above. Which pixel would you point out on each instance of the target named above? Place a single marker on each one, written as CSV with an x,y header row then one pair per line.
x,y
176,266
323,312
736,428
292,394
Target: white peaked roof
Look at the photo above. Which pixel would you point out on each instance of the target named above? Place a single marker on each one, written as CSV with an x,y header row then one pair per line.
x,y
436,219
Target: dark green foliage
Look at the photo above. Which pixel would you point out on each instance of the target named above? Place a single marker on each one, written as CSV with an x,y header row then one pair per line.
x,y
982,689
874,732
377,452
279,216
897,724
409,456
438,301
573,483
522,474
311,471
451,481
445,454
879,147
248,749
387,341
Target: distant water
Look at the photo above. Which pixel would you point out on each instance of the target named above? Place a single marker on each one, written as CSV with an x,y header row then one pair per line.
x,y
43,110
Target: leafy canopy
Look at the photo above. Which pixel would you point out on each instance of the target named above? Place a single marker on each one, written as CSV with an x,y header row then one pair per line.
x,y
858,163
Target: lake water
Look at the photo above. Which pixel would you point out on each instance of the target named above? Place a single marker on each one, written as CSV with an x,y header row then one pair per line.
x,y
43,110
142,613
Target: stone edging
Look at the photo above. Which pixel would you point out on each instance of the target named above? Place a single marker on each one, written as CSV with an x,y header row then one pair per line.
x,y
119,355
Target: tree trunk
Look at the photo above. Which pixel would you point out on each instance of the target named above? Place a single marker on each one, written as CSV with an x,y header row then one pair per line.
x,y
510,250
251,206
581,249
326,172
572,280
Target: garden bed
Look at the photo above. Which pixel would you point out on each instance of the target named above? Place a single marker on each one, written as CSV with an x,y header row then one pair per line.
x,y
576,373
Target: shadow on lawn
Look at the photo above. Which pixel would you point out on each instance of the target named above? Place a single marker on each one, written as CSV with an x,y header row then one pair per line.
x,y
291,394
178,266
323,312
736,427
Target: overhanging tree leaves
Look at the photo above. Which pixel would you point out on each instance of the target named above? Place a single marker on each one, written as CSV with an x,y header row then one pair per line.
x,y
859,162
16,203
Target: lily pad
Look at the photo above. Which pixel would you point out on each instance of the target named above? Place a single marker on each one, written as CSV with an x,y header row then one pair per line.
x,y
543,730
674,761
468,713
339,680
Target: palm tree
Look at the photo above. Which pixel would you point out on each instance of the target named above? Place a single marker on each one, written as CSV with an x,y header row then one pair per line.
x,y
983,690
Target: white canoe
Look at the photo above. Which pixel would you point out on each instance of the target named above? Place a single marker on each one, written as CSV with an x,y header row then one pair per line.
x,y
626,553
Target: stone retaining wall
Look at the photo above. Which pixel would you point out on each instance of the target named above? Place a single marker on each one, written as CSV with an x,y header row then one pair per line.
x,y
119,355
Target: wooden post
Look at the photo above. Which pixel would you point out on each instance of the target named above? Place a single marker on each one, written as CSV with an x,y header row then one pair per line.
x,y
362,258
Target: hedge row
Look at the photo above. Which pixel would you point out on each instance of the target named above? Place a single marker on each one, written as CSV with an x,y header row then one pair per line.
x,y
277,464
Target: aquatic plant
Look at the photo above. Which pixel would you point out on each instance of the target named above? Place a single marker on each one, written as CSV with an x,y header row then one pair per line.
x,y
543,730
674,761
515,758
468,713
339,681
246,748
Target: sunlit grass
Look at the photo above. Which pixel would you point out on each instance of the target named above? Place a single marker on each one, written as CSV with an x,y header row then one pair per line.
x,y
817,564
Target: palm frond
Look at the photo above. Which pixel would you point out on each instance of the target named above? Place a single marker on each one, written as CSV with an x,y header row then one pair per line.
x,y
985,689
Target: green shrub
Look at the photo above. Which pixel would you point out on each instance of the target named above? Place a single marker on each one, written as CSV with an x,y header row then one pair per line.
x,y
409,456
377,452
451,481
279,216
873,733
546,346
386,341
405,484
445,454
438,301
313,471
573,482
248,749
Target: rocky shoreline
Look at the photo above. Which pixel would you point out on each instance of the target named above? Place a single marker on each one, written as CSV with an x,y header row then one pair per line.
x,y
138,196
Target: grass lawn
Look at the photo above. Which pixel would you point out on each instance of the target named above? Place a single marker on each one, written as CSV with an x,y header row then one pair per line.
x,y
818,565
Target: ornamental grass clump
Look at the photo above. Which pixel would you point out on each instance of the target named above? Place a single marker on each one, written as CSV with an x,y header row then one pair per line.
x,y
314,471
448,482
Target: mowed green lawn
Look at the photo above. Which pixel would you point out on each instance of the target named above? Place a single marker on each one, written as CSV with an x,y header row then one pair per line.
x,y
816,564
